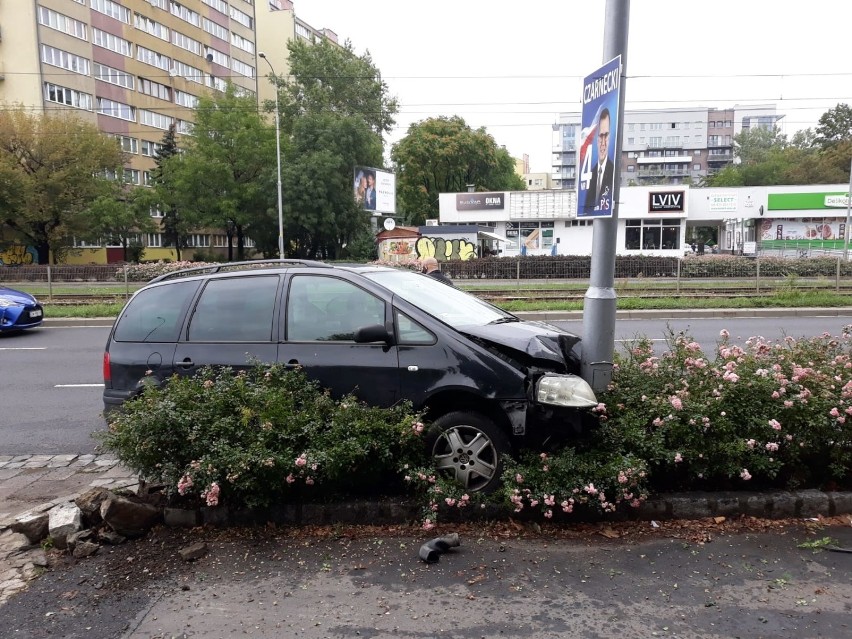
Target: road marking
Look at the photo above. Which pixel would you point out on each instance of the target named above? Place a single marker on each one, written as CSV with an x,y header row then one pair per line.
x,y
78,386
23,348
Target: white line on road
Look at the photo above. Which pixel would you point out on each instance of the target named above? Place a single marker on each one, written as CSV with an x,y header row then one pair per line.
x,y
78,386
23,348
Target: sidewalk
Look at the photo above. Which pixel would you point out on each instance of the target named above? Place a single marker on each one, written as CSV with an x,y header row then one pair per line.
x,y
35,484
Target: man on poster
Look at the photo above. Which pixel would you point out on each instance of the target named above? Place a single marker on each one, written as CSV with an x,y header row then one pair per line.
x,y
599,193
598,141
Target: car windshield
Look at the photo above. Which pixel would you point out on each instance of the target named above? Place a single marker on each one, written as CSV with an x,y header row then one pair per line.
x,y
449,304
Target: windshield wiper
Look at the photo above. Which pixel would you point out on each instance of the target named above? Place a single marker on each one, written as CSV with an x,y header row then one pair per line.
x,y
504,320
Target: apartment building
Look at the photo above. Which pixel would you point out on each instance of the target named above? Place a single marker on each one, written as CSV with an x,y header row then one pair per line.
x,y
136,67
664,146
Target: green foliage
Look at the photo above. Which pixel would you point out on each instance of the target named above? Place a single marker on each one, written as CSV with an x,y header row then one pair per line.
x,y
119,217
768,414
444,155
260,437
835,125
51,170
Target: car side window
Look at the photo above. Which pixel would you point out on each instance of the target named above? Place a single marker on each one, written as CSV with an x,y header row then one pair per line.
x,y
411,332
235,309
155,314
321,308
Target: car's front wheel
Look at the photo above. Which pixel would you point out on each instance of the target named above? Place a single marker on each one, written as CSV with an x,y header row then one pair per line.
x,y
469,448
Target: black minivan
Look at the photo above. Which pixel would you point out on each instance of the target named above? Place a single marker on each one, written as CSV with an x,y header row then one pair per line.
x,y
485,378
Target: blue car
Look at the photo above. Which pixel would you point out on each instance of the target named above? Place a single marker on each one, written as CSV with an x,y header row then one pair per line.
x,y
18,310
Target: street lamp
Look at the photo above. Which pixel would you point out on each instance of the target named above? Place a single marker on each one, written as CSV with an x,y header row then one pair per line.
x,y
277,157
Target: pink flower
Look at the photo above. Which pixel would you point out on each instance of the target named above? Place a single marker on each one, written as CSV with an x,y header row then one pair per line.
x,y
208,383
211,495
184,484
309,481
788,403
548,513
519,478
676,403
290,479
745,474
417,427
775,424
678,458
724,334
834,412
751,443
427,524
771,447
450,501
549,500
301,460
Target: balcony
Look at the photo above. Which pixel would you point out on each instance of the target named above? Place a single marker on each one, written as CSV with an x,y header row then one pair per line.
x,y
724,157
663,173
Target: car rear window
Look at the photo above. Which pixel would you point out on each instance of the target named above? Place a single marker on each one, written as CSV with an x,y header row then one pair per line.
x,y
155,314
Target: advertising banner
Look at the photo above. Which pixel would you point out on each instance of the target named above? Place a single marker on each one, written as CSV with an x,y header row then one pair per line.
x,y
598,141
479,201
375,190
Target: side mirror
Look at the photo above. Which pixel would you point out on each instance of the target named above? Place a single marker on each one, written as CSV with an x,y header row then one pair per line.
x,y
372,333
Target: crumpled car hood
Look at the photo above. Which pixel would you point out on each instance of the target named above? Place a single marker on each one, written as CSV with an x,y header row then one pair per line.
x,y
544,343
16,297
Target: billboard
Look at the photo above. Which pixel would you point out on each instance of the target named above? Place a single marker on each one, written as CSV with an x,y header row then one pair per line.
x,y
479,201
375,190
598,141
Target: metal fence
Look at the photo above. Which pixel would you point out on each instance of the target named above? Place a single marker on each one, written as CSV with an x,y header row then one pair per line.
x,y
756,273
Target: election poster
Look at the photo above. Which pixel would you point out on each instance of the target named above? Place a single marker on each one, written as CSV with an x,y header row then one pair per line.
x,y
597,142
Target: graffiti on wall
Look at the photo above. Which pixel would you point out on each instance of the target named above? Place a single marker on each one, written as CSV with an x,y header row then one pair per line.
x,y
443,249
17,255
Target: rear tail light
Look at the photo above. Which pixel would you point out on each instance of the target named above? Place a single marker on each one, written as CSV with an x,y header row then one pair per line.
x,y
107,373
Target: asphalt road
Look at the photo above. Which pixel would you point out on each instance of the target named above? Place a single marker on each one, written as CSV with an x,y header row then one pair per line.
x,y
50,395
268,582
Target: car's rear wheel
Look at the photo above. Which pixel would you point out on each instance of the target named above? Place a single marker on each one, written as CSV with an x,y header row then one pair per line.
x,y
469,448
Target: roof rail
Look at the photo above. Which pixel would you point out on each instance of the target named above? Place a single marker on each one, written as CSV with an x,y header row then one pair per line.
x,y
236,266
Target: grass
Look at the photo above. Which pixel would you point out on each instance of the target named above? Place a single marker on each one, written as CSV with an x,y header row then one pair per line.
x,y
786,299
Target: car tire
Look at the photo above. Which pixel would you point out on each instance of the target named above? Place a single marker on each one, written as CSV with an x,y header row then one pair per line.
x,y
469,448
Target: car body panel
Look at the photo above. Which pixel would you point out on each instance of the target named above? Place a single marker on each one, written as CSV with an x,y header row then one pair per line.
x,y
18,310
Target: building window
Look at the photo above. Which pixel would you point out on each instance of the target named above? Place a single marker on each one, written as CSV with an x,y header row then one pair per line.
x,y
132,176
111,9
186,99
155,89
113,76
216,83
220,5
189,72
153,58
112,42
150,26
185,42
151,149
147,178
154,240
243,18
631,168
127,144
242,68
241,43
215,29
630,140
696,167
154,119
302,31
62,23
70,97
651,235
197,240
116,109
220,241
187,15
217,56
64,60
155,212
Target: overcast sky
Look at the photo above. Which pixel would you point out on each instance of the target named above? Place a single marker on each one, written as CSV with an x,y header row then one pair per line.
x,y
513,66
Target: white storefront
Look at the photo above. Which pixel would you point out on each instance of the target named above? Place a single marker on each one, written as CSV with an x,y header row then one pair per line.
x,y
657,220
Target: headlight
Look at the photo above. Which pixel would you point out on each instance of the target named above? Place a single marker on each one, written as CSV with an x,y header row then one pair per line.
x,y
565,390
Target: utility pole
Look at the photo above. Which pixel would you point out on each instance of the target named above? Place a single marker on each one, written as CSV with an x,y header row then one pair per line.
x,y
600,302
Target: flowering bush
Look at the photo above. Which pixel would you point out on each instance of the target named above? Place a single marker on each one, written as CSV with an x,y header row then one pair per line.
x,y
261,436
769,414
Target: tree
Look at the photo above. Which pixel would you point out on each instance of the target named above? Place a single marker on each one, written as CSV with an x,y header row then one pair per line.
x,y
119,217
225,178
165,196
444,155
752,146
334,110
835,125
53,168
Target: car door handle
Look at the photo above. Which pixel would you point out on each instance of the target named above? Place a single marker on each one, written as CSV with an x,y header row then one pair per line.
x,y
413,369
186,363
293,363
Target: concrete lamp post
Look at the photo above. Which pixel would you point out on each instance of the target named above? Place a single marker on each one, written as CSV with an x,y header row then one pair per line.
x,y
278,158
